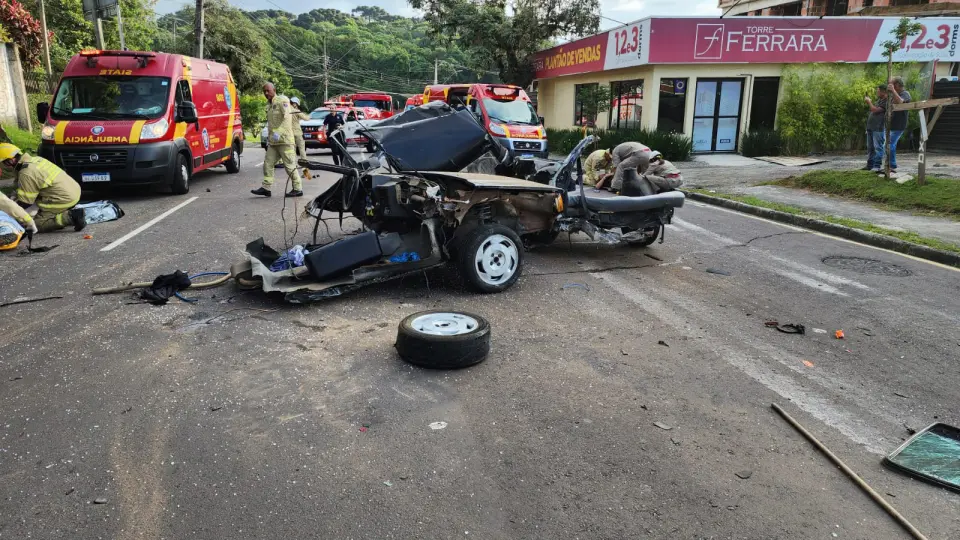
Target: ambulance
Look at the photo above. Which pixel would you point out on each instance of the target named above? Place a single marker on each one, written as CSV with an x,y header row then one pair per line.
x,y
129,118
413,101
504,110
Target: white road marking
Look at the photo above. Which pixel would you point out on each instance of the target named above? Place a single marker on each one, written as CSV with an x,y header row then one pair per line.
x,y
824,235
826,276
812,283
259,164
803,280
759,369
147,225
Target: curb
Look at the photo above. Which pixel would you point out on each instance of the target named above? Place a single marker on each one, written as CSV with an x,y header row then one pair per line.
x,y
864,237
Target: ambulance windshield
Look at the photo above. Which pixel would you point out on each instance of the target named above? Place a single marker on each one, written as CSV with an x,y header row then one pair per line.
x,y
511,112
109,98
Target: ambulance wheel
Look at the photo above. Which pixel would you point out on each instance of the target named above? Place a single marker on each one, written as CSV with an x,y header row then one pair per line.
x,y
181,176
233,164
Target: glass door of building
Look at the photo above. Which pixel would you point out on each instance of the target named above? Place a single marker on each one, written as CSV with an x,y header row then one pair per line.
x,y
716,115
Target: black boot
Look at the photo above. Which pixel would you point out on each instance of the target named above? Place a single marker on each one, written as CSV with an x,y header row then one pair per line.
x,y
79,219
295,193
261,191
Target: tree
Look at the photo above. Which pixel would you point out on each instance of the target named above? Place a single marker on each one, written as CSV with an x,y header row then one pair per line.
x,y
23,29
139,26
905,28
505,35
71,31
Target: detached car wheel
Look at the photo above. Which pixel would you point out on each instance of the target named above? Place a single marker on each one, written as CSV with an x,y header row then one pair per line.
x,y
233,164
491,257
642,238
181,176
439,339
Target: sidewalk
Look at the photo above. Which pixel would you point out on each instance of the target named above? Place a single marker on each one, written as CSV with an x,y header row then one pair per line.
x,y
736,175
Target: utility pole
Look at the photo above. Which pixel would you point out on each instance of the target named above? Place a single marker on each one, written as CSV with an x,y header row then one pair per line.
x,y
123,45
198,29
326,72
46,38
436,69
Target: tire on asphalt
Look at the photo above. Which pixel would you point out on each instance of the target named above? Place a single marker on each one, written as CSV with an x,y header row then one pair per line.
x,y
648,236
181,176
443,339
490,258
233,164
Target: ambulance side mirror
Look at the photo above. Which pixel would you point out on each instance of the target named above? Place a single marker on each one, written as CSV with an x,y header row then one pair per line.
x,y
187,112
43,109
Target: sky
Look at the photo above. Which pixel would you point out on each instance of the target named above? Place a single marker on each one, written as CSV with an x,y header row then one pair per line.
x,y
624,11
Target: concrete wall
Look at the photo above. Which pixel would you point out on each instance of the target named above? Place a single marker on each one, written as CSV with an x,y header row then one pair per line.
x,y
8,106
556,99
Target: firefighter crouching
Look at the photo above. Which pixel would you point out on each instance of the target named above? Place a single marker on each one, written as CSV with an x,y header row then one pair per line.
x,y
40,182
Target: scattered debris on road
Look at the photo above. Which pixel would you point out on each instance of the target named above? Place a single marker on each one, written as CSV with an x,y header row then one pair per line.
x,y
931,454
839,334
438,425
853,476
744,474
718,271
808,363
100,500
25,300
789,328
662,426
819,331
388,483
440,339
583,286
663,343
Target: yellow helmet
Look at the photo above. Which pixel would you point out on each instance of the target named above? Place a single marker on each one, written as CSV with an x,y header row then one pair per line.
x,y
8,151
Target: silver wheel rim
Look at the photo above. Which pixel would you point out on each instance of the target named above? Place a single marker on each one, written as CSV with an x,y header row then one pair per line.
x,y
184,172
444,324
236,157
497,260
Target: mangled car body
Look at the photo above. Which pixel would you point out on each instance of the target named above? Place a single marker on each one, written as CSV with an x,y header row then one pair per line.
x,y
420,210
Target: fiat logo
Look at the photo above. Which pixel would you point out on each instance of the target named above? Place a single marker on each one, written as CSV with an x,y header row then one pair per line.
x,y
94,158
96,130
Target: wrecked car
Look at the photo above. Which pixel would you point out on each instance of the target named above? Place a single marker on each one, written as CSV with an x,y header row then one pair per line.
x,y
420,210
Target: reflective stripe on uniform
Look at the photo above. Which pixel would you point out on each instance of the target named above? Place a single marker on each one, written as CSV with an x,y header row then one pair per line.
x,y
61,206
26,196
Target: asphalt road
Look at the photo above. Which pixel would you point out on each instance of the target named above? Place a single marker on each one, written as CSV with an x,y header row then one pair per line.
x,y
240,416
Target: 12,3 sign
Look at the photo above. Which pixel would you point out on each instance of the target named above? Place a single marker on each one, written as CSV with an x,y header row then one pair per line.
x,y
628,46
929,38
627,40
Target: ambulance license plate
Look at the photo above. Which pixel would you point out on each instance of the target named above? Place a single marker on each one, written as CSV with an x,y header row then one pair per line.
x,y
307,135
95,177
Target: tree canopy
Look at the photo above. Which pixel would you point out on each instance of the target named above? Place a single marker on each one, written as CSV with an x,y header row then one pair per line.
x,y
504,35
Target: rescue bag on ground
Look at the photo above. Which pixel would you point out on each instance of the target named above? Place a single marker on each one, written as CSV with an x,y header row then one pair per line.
x,y
100,211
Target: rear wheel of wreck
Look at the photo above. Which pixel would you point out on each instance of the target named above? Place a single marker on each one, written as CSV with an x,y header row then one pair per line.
x,y
490,258
440,339
642,238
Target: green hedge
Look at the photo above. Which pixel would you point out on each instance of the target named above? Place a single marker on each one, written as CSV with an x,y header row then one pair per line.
x,y
674,146
822,108
763,142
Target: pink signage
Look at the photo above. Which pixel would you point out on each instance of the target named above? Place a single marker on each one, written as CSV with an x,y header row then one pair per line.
x,y
766,40
773,40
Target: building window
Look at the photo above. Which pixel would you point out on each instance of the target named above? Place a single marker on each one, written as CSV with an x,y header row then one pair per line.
x,y
673,105
787,10
581,105
626,107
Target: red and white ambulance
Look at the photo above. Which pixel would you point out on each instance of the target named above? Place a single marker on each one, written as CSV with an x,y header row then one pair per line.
x,y
504,110
128,118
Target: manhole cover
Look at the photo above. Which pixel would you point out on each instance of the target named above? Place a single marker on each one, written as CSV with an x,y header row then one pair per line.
x,y
866,266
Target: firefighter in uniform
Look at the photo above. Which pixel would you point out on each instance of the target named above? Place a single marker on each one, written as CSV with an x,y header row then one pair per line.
x,y
40,182
597,167
15,211
664,176
280,143
298,115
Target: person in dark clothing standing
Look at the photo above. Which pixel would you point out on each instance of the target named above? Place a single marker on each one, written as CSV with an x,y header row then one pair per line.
x,y
333,124
898,123
875,129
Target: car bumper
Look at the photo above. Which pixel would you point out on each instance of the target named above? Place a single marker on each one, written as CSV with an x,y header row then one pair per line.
x,y
126,165
525,147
